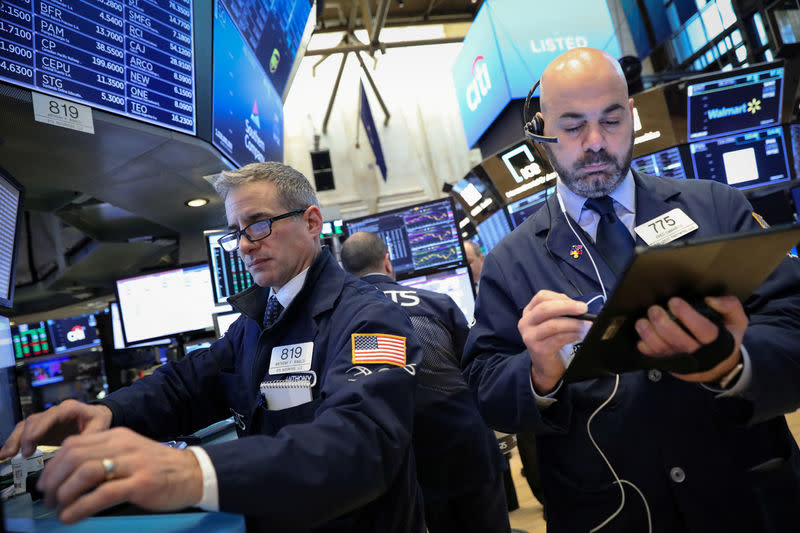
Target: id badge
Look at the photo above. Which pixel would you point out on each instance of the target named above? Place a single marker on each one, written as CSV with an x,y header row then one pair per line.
x,y
666,228
291,358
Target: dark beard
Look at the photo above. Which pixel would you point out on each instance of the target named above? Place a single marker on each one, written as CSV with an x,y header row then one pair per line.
x,y
596,184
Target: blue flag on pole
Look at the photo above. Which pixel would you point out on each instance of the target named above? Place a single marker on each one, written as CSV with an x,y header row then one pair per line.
x,y
372,132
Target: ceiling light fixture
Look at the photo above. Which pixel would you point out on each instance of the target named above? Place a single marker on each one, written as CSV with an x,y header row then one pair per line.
x,y
196,202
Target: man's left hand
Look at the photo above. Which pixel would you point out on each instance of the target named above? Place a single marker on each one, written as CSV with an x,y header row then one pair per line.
x,y
143,472
661,336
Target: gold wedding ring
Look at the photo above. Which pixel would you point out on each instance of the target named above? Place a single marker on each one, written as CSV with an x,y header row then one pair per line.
x,y
108,467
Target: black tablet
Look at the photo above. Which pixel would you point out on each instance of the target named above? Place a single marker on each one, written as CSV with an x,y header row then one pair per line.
x,y
735,264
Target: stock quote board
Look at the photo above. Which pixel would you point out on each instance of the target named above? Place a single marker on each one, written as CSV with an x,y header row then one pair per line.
x,y
131,57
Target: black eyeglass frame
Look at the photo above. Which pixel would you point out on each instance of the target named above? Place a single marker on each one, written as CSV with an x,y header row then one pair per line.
x,y
236,236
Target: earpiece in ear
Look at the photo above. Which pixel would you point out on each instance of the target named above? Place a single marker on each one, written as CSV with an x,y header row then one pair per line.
x,y
534,126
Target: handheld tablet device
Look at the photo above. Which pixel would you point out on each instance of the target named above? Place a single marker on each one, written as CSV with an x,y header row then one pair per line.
x,y
733,264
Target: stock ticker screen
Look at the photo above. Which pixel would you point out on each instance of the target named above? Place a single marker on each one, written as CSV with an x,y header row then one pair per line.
x,y
735,103
131,57
229,274
420,238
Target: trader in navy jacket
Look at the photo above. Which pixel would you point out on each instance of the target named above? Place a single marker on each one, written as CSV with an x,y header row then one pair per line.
x,y
647,450
459,464
323,444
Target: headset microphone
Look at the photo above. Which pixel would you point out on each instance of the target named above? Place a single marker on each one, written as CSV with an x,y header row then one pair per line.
x,y
534,125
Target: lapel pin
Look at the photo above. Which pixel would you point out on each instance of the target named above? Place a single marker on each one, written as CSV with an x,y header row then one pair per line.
x,y
576,251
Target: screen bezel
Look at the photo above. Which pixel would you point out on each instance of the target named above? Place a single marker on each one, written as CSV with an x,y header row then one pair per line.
x,y
430,270
8,300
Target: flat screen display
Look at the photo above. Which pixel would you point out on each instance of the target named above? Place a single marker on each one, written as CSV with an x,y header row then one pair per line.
x,y
494,228
734,103
454,283
31,340
46,372
222,321
119,338
131,57
667,163
420,238
274,30
10,215
74,333
744,160
10,412
519,211
229,274
519,170
164,304
247,110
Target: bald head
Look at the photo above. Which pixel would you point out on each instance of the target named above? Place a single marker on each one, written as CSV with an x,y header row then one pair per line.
x,y
365,253
585,104
581,69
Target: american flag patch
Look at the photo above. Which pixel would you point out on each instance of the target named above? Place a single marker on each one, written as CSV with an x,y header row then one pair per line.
x,y
377,348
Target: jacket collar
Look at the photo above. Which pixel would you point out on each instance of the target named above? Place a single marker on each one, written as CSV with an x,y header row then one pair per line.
x,y
653,197
321,289
377,278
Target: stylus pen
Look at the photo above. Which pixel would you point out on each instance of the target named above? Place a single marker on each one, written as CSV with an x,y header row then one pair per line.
x,y
591,317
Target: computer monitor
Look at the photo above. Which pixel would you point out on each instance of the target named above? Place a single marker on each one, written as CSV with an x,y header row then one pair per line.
x,y
745,160
10,412
229,274
422,238
119,338
736,102
11,194
519,211
493,229
222,321
31,340
455,283
74,333
667,163
46,372
166,303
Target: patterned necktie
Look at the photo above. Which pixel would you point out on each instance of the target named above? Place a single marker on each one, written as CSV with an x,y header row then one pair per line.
x,y
272,312
614,241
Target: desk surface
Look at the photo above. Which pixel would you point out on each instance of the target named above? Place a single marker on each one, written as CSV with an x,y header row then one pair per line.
x,y
175,523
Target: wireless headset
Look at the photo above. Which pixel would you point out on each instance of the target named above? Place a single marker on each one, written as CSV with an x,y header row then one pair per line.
x,y
534,125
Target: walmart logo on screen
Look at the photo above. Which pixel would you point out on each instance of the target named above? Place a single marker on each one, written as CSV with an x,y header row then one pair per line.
x,y
753,107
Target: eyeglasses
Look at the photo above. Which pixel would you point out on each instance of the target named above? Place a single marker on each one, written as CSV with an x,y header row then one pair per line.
x,y
260,229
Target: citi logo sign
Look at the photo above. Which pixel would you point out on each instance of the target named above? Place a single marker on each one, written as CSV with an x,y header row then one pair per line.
x,y
752,107
77,333
480,84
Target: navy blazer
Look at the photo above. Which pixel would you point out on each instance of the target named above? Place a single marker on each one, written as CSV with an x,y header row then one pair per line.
x,y
341,462
454,450
703,463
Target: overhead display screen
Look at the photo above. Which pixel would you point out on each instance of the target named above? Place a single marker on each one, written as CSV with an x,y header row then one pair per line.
x,y
735,103
131,57
274,30
248,112
745,160
420,238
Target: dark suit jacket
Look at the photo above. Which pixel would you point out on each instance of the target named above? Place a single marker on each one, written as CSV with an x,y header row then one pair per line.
x,y
739,463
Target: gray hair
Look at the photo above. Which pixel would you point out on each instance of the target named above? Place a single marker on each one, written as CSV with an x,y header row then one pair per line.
x,y
363,253
294,189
